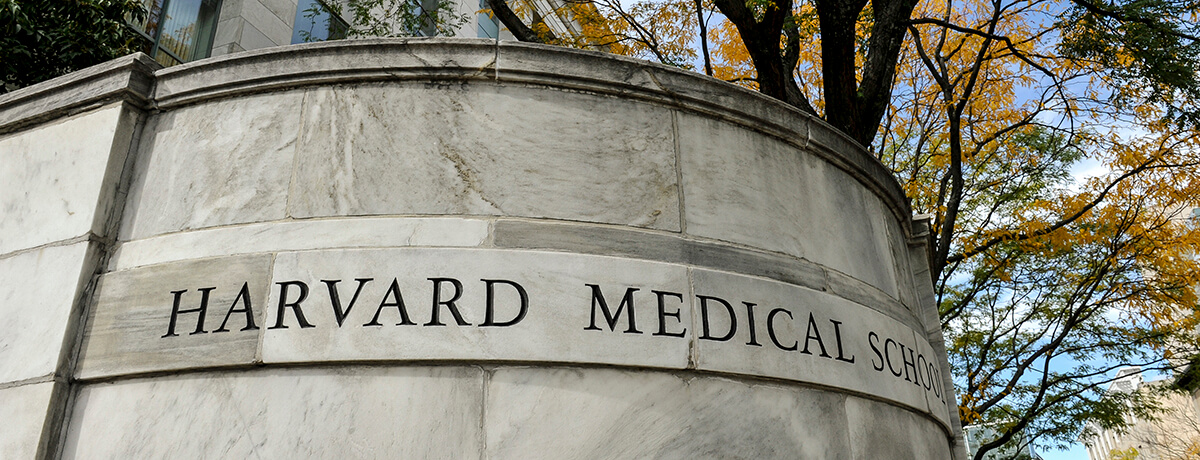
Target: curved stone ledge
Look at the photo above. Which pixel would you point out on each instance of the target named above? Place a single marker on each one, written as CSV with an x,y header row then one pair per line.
x,y
129,79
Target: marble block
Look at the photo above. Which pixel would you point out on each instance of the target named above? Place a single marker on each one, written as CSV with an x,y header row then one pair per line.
x,y
612,414
57,178
485,149
368,412
790,332
878,430
129,328
560,323
200,167
743,187
301,235
23,410
38,290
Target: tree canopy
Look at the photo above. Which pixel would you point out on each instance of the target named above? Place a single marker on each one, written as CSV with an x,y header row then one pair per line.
x,y
43,39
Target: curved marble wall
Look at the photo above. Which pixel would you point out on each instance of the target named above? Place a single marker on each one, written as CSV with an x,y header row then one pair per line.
x,y
457,249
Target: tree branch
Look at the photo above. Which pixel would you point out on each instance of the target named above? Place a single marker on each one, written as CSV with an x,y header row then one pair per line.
x,y
517,26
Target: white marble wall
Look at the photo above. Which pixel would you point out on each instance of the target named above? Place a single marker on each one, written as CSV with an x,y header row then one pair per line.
x,y
558,171
59,188
485,412
286,413
24,409
59,177
487,150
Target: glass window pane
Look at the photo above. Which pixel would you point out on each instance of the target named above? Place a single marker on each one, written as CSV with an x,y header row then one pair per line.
x,y
315,23
165,59
489,26
149,23
188,27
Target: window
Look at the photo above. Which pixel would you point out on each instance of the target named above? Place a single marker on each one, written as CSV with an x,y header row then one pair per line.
x,y
489,26
316,22
178,31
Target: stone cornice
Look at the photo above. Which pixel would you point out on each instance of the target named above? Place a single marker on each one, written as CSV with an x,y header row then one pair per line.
x,y
129,79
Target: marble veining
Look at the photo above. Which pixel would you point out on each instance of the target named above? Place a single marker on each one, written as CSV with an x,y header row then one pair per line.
x,y
301,235
283,413
36,296
23,410
52,178
128,327
746,188
199,167
613,414
485,150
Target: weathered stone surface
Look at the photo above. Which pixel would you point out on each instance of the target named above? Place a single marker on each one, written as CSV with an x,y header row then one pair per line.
x,y
934,377
657,246
23,410
128,327
483,149
283,413
129,78
301,235
596,413
743,187
36,297
835,346
58,179
880,430
199,167
555,327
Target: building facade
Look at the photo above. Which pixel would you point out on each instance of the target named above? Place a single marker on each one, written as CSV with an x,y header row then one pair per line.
x,y
1171,435
178,31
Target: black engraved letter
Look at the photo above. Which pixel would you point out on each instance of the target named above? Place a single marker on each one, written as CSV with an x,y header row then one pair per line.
x,y
244,296
336,302
704,319
175,311
295,306
489,313
598,299
837,337
394,293
873,340
437,300
813,334
662,314
750,321
771,329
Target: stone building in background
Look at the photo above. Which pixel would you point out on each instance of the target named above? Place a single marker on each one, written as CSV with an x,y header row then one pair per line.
x,y
180,31
1174,435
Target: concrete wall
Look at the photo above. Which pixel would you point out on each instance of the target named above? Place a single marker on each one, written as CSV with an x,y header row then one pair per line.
x,y
401,248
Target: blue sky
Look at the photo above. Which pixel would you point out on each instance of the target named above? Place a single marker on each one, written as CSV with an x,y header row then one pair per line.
x,y
1077,452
